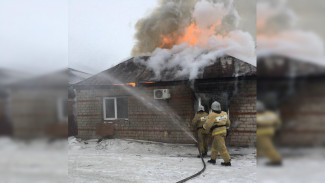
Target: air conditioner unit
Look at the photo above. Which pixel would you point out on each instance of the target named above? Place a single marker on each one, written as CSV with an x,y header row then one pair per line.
x,y
161,94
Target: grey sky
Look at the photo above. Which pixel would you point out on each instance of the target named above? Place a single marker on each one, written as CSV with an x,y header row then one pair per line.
x,y
33,35
101,31
38,36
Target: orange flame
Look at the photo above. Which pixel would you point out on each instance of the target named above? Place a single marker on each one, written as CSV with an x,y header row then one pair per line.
x,y
167,41
192,35
130,84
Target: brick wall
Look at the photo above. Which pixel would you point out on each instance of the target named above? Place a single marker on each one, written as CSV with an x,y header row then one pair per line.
x,y
303,116
5,123
243,116
145,123
34,112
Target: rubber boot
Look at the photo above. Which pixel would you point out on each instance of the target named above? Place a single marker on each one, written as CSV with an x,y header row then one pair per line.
x,y
203,155
226,164
212,161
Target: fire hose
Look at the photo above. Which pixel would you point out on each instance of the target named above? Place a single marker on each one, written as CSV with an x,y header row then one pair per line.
x,y
198,173
204,165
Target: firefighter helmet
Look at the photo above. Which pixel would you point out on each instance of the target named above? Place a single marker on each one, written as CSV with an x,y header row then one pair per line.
x,y
216,106
200,108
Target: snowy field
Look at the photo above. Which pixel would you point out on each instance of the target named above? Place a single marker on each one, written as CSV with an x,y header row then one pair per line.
x,y
300,165
36,161
117,160
139,161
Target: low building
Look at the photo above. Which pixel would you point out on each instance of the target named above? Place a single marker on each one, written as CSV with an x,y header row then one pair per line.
x,y
74,76
294,88
7,77
123,102
39,105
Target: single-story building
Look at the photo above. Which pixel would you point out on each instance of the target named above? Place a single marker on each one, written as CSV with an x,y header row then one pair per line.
x,y
7,77
126,101
295,89
74,76
39,105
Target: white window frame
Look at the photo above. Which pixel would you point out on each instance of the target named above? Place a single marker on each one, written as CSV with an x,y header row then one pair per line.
x,y
104,107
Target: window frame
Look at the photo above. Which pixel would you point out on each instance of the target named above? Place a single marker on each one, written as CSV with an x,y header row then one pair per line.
x,y
104,107
115,106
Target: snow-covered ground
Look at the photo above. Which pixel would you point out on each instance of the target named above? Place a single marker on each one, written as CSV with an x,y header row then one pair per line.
x,y
33,161
299,165
117,160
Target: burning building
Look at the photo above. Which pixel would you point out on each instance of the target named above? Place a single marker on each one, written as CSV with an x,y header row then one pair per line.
x,y
198,54
290,62
293,88
129,101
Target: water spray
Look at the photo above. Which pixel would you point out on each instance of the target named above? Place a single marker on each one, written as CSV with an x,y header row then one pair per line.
x,y
175,118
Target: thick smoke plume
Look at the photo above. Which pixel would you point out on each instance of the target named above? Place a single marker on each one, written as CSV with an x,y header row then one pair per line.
x,y
190,35
278,34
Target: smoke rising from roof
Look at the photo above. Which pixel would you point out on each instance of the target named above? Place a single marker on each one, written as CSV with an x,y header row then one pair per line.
x,y
190,35
171,16
278,34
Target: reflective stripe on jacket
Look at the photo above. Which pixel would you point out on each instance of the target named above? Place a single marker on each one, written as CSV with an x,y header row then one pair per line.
x,y
267,122
199,119
219,120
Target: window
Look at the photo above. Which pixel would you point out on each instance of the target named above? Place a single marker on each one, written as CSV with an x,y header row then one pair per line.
x,y
115,108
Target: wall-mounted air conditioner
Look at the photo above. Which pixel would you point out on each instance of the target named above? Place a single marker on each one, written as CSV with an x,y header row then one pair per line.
x,y
161,94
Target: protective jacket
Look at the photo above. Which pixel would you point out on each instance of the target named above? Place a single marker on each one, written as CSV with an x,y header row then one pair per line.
x,y
267,123
199,119
218,123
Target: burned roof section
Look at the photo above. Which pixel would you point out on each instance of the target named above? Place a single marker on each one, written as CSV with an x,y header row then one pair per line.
x,y
278,66
133,71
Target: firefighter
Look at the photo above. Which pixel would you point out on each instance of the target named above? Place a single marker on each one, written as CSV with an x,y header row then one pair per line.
x,y
217,123
202,134
267,123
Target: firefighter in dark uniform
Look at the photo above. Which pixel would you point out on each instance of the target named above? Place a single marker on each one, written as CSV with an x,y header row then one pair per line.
x,y
202,134
217,123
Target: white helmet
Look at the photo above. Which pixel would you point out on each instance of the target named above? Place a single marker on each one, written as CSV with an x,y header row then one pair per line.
x,y
216,106
200,108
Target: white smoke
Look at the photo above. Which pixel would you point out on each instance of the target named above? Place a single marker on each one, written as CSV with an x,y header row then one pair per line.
x,y
223,39
278,34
